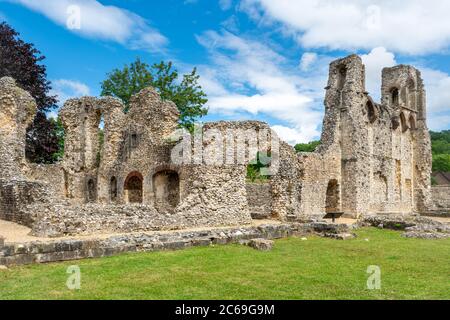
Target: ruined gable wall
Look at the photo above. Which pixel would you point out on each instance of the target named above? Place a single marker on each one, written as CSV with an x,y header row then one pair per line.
x,y
378,168
411,144
136,142
81,120
216,179
336,169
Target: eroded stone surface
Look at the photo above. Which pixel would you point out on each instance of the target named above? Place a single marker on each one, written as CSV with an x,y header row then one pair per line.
x,y
261,244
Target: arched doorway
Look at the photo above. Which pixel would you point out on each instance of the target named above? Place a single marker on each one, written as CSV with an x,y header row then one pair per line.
x,y
166,189
134,188
332,204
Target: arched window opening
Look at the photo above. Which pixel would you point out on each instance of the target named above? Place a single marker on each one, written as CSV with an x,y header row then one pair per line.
x,y
134,188
403,122
371,112
113,189
395,97
342,77
134,140
395,123
166,189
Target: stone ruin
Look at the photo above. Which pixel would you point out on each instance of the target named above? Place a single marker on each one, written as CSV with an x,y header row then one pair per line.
x,y
375,158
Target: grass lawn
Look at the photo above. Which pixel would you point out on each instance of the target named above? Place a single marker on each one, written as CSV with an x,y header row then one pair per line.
x,y
314,269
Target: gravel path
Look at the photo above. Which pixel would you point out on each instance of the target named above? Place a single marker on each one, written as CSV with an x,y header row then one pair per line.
x,y
13,232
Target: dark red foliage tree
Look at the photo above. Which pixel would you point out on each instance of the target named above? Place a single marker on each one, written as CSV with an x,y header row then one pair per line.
x,y
22,61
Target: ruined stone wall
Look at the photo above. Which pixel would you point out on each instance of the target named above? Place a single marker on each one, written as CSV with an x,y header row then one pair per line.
x,y
374,158
136,144
17,110
53,175
403,94
441,198
81,120
16,195
216,179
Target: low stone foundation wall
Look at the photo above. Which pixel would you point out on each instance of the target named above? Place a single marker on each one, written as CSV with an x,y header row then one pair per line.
x,y
61,250
441,200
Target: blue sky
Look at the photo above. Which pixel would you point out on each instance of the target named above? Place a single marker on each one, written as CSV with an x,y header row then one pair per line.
x,y
258,59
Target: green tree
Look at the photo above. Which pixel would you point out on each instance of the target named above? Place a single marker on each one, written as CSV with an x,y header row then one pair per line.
x,y
254,169
186,93
440,144
58,131
441,162
307,147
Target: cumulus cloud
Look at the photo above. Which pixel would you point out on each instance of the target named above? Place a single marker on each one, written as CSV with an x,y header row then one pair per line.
x,y
247,76
225,4
66,89
100,21
437,84
411,27
308,58
375,61
290,135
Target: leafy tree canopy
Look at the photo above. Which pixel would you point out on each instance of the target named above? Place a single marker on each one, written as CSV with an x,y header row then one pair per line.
x,y
307,147
254,168
21,61
440,144
186,93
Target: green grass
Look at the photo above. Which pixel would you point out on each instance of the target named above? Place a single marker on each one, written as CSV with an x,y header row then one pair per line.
x,y
315,269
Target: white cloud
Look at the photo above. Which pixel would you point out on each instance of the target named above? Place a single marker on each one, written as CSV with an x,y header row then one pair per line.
x,y
308,58
103,22
412,27
290,135
247,76
437,84
231,24
225,4
66,89
375,61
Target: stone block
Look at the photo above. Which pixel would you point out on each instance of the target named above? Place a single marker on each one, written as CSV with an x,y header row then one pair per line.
x,y
261,244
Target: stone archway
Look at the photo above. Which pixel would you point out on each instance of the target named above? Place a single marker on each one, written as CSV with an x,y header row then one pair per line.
x,y
134,188
166,190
